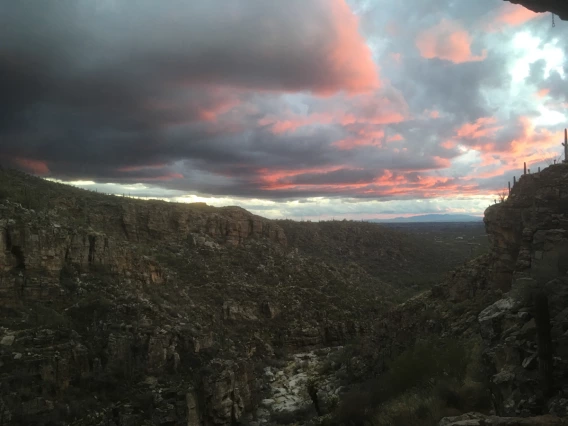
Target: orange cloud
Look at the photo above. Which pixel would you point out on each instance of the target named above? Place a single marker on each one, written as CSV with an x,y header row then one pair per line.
x,y
33,166
543,92
389,183
448,41
483,127
431,113
350,56
509,15
139,168
211,113
395,138
534,146
348,144
364,110
292,122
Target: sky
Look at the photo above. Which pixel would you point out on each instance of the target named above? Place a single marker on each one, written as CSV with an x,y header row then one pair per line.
x,y
304,109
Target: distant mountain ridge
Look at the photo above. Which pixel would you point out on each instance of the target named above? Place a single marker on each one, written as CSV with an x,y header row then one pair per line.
x,y
430,218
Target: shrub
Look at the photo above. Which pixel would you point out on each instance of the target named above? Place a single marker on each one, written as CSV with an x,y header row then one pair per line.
x,y
355,409
287,417
422,364
404,393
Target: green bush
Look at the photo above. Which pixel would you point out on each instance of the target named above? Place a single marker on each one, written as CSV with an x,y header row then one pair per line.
x,y
422,364
413,390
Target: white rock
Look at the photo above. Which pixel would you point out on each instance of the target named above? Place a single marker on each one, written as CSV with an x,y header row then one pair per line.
x,y
267,402
7,340
495,310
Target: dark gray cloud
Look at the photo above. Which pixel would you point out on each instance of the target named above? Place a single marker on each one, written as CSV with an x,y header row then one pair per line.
x,y
259,99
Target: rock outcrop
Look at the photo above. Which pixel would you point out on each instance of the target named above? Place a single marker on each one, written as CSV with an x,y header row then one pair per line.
x,y
477,419
116,311
526,345
513,301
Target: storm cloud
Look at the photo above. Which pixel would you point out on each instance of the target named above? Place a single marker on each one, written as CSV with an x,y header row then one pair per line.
x,y
367,100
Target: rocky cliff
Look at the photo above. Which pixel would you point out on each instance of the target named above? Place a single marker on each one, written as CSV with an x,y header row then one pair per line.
x,y
118,311
124,312
524,332
558,7
512,301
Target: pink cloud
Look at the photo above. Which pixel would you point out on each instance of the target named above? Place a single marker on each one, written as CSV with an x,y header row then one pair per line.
x,y
349,55
128,169
542,93
289,122
37,167
360,113
509,15
448,41
349,144
432,113
395,138
483,127
534,146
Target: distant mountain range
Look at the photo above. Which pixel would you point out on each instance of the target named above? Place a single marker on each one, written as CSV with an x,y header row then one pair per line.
x,y
431,218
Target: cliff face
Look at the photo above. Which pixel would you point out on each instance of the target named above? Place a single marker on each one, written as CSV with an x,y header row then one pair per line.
x,y
524,332
514,300
528,232
558,7
169,314
120,311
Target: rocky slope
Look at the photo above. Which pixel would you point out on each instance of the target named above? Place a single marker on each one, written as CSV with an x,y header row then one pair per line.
x,y
558,7
128,312
524,332
409,260
514,300
122,312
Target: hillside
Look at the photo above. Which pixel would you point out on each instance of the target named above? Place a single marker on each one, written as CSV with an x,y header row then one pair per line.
x,y
116,311
498,325
122,310
422,218
406,259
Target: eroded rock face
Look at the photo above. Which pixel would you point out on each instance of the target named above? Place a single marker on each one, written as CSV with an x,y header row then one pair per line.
x,y
529,232
529,257
477,419
225,391
232,225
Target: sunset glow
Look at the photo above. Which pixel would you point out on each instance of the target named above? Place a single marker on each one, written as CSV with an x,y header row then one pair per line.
x,y
326,108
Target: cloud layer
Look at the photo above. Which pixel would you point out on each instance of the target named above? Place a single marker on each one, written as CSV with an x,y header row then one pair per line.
x,y
367,101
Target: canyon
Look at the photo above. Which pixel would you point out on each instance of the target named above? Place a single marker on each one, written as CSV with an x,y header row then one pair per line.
x,y
117,311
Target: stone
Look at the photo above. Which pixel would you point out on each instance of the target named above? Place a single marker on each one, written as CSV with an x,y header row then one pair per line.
x,y
226,391
530,362
7,340
478,419
193,415
233,310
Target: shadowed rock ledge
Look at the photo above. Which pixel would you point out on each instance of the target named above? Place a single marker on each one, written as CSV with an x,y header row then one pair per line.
x,y
558,7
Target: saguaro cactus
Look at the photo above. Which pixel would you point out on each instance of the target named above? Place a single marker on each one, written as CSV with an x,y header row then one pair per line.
x,y
565,144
